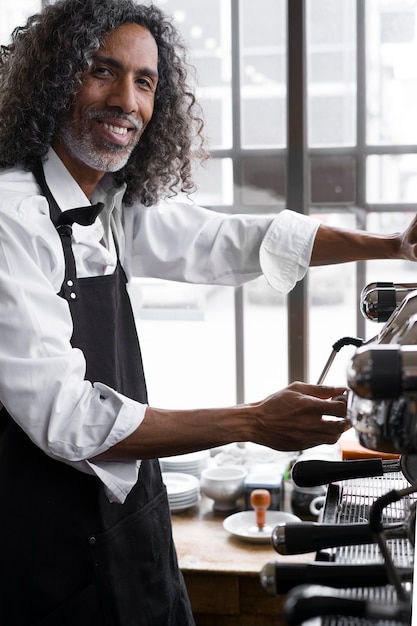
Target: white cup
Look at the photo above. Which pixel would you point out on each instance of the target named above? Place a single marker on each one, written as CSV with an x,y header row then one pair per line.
x,y
316,505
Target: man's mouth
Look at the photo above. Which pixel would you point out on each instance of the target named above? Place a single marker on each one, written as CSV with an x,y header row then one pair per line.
x,y
119,130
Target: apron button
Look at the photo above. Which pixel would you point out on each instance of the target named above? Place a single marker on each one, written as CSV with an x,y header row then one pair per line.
x,y
92,540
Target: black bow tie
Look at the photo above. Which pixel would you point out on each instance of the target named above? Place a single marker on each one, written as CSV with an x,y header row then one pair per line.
x,y
85,215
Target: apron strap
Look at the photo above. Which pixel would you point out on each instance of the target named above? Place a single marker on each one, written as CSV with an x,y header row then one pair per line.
x,y
63,221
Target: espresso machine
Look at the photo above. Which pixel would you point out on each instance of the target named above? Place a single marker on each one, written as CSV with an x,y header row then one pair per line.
x,y
364,540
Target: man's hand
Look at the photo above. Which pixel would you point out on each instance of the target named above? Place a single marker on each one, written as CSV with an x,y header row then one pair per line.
x,y
408,242
295,417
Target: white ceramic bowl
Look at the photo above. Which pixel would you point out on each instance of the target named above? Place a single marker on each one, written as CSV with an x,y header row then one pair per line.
x,y
223,484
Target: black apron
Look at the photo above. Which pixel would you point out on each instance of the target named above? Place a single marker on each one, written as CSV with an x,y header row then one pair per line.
x,y
69,557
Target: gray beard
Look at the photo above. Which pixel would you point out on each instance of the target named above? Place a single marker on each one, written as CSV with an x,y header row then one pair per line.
x,y
107,158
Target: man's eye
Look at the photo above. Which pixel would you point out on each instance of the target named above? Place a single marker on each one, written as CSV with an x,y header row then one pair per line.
x,y
144,82
100,71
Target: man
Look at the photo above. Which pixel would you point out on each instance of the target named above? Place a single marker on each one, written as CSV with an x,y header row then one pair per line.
x,y
95,108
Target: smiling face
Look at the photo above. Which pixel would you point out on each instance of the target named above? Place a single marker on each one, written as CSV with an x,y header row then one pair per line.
x,y
113,106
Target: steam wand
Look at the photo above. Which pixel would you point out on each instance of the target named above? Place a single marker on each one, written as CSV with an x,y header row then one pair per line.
x,y
344,341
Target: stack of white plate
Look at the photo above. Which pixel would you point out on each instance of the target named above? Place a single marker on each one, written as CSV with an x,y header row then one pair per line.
x,y
183,490
192,463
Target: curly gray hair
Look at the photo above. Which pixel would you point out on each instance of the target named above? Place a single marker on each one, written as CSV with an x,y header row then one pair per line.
x,y
40,75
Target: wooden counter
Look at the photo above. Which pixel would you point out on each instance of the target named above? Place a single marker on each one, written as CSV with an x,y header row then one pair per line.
x,y
222,571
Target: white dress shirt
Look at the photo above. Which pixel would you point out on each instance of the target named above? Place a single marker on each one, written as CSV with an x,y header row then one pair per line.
x,y
42,381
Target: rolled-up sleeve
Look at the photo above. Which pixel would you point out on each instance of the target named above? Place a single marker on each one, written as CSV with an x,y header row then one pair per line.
x,y
285,251
193,244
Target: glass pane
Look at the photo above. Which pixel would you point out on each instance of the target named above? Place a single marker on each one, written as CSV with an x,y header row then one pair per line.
x,y
332,310
263,73
183,329
215,183
265,338
331,73
15,14
205,26
391,71
391,178
263,181
332,180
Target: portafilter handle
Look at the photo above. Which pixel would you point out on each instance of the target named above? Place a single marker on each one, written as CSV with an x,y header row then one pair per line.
x,y
308,601
279,578
314,472
304,537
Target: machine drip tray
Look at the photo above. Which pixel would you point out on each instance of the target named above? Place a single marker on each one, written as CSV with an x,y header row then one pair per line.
x,y
349,502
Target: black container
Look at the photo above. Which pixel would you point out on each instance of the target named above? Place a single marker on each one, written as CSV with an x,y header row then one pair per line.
x,y
264,477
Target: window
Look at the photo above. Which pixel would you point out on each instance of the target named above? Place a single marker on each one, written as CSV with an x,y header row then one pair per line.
x,y
308,104
15,14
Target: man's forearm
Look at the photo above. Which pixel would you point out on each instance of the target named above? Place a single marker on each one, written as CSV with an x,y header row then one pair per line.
x,y
333,245
290,419
169,432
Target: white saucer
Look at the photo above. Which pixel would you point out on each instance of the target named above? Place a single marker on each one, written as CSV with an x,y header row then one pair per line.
x,y
183,490
183,506
243,525
179,483
192,463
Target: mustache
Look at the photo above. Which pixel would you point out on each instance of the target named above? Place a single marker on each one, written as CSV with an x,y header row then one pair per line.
x,y
115,115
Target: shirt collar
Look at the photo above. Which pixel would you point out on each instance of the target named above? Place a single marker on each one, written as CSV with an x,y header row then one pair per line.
x,y
111,196
69,194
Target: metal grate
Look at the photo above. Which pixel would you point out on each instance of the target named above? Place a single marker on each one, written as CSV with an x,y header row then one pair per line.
x,y
350,502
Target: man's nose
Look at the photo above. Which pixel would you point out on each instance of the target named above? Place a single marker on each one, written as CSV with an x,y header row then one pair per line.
x,y
123,96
